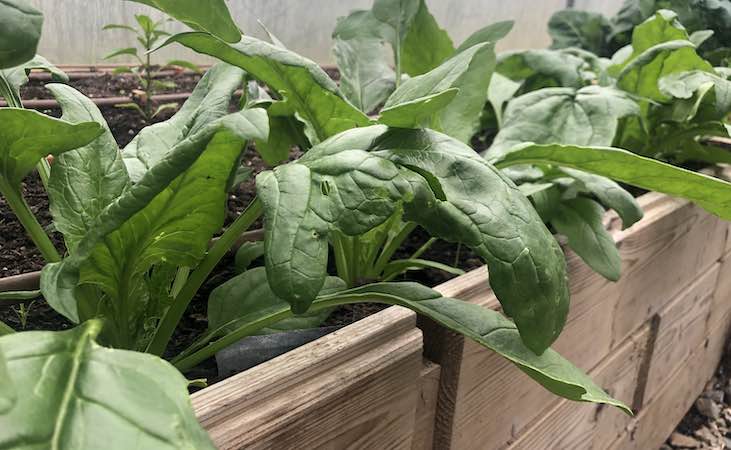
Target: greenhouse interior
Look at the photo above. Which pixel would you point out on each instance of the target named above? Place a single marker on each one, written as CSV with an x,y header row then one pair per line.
x,y
365,224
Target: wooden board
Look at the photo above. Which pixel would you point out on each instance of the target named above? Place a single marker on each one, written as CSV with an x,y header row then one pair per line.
x,y
355,388
572,425
426,406
661,255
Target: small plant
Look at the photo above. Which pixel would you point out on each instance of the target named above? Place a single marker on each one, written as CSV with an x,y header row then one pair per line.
x,y
148,34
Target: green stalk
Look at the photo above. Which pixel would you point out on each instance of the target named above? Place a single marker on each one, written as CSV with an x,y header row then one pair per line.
x,y
392,245
32,227
423,248
341,258
5,329
172,317
187,362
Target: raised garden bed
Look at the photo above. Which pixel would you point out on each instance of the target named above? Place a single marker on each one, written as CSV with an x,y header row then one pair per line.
x,y
653,340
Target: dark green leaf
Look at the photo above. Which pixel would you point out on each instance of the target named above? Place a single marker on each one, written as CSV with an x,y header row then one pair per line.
x,y
580,220
300,82
399,266
83,181
205,15
469,72
19,295
491,33
543,68
581,29
247,253
712,194
142,401
20,31
426,45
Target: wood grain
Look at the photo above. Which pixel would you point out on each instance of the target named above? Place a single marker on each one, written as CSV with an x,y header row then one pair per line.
x,y
355,388
661,255
426,406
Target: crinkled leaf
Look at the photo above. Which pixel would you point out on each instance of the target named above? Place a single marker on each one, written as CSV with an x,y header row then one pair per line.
x,y
83,181
588,116
20,31
581,29
469,72
249,293
15,77
209,101
366,78
491,33
712,194
305,87
489,329
26,136
167,217
421,112
696,88
580,220
426,45
211,16
610,194
537,69
87,396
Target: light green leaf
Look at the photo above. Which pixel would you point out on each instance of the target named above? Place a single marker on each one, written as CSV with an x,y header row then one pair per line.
x,y
26,136
116,26
502,89
306,88
580,220
581,29
19,295
587,116
209,101
211,16
420,112
426,45
712,194
399,266
83,181
184,65
167,217
129,51
491,33
249,293
8,391
142,401
469,72
20,31
397,15
699,87
365,78
542,68
16,77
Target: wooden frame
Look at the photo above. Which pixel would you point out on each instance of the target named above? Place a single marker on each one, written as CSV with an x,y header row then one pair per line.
x,y
367,386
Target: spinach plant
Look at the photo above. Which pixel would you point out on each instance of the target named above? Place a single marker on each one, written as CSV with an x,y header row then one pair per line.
x,y
148,34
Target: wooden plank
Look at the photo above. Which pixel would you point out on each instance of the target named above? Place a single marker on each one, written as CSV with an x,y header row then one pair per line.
x,y
426,406
584,426
355,388
683,325
660,417
661,255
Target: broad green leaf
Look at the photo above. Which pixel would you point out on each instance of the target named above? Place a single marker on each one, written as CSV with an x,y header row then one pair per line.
x,y
580,220
581,29
306,88
359,179
15,77
83,181
82,396
502,89
610,194
542,68
246,254
8,391
660,47
421,112
365,77
20,31
712,194
489,329
469,72
491,33
426,45
249,293
397,15
587,116
26,136
698,87
209,101
167,217
360,24
211,16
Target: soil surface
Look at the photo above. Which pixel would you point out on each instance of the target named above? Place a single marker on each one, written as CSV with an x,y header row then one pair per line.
x,y
708,423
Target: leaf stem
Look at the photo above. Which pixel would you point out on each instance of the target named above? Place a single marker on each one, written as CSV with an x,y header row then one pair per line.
x,y
5,329
171,318
32,227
